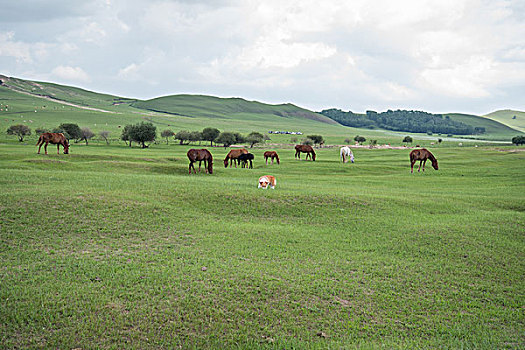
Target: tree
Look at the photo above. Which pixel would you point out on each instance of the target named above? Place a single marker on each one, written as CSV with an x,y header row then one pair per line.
x,y
518,140
126,134
317,139
19,130
142,133
239,138
195,136
359,139
105,135
183,135
87,134
407,139
167,134
440,140
254,138
210,134
70,131
226,139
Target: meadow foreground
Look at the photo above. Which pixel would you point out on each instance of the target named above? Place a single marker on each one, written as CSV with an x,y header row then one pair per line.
x,y
118,247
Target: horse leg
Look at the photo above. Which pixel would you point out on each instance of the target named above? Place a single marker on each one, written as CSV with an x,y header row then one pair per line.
x,y
420,162
251,164
272,160
266,159
189,167
424,162
412,166
45,147
58,148
39,146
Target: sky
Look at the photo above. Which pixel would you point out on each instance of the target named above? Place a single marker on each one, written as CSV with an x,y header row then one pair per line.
x,y
439,56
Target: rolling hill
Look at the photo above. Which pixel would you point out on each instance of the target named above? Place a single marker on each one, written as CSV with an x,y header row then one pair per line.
x,y
46,105
511,118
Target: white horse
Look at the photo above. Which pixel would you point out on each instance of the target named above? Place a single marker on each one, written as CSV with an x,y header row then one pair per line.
x,y
346,152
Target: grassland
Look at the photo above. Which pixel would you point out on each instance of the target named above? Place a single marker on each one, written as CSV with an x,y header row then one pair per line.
x,y
494,130
514,119
118,247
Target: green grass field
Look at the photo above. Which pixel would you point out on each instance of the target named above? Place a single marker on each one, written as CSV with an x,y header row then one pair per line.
x,y
117,247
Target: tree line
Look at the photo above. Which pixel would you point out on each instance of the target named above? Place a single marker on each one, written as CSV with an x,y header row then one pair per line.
x,y
403,120
144,133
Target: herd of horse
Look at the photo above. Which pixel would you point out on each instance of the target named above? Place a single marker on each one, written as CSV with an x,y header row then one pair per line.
x,y
241,156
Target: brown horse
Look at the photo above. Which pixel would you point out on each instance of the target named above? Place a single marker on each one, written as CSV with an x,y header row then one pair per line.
x,y
55,139
200,155
271,154
305,149
233,155
422,155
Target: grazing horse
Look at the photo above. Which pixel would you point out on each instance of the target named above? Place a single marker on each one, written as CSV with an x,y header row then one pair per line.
x,y
244,158
271,154
305,149
422,155
200,155
345,153
233,156
55,139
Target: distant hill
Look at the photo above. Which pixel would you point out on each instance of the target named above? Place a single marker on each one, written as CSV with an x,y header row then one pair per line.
x,y
514,119
493,129
216,107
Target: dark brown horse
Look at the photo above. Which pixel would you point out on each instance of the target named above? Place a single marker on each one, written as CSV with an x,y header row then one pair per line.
x,y
200,155
422,155
55,139
305,149
233,156
271,154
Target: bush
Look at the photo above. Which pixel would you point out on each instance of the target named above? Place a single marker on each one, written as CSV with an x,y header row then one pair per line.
x,y
407,139
359,139
308,142
518,140
70,131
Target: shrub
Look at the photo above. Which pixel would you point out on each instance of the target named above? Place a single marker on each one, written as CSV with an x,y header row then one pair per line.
x,y
518,140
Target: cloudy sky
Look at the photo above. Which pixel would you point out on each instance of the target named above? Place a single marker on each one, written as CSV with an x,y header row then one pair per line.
x,y
433,55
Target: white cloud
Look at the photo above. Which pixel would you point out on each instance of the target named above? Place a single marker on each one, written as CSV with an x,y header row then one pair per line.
x,y
10,48
332,53
73,74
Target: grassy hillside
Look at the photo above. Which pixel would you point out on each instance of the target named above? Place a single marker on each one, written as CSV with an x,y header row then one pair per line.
x,y
39,104
130,251
506,117
215,107
495,130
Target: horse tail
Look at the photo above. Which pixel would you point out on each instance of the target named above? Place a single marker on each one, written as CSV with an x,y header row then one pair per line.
x,y
40,140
